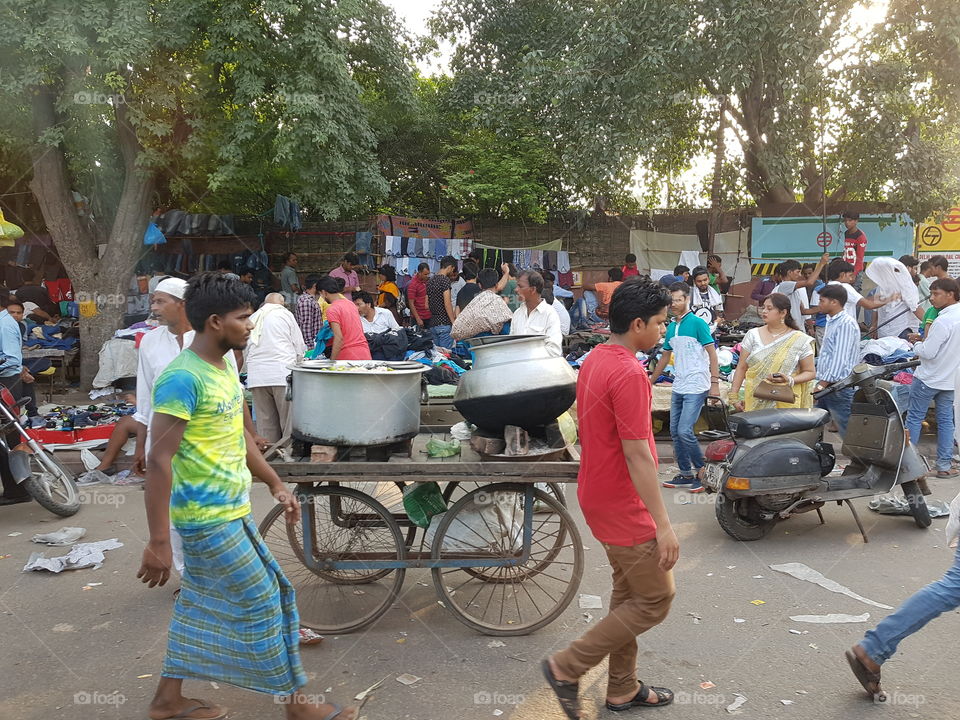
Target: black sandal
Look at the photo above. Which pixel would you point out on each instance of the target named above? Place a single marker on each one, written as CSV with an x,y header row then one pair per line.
x,y
566,692
664,697
869,679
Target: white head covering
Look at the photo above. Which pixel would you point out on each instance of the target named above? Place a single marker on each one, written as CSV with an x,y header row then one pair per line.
x,y
892,276
173,286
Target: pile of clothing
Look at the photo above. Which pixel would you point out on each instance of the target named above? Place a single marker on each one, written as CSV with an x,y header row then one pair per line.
x,y
445,369
58,336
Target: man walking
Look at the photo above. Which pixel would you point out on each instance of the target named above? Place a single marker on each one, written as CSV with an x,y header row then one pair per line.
x,y
157,350
236,618
689,344
535,316
620,497
839,352
276,342
933,380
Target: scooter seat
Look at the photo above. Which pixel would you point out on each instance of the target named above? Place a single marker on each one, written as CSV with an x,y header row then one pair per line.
x,y
764,423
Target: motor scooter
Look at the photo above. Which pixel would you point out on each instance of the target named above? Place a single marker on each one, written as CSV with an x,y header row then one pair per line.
x,y
775,464
32,466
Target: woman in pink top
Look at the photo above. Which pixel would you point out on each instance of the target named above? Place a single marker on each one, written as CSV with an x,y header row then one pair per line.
x,y
349,342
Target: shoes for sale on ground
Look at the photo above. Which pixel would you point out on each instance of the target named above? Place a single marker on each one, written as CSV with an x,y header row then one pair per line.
x,y
92,477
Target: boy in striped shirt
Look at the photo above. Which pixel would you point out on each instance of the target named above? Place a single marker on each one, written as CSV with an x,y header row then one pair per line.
x,y
838,354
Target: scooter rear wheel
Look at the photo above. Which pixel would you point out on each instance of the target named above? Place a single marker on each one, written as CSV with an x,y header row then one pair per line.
x,y
731,518
918,506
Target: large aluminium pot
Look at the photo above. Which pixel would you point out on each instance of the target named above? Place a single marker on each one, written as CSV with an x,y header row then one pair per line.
x,y
355,407
514,381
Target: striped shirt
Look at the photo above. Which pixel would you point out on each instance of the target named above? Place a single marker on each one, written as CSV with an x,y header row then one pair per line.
x,y
841,348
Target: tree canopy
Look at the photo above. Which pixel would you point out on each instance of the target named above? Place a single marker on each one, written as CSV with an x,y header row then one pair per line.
x,y
808,88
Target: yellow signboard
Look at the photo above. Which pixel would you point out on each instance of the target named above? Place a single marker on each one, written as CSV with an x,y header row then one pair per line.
x,y
942,238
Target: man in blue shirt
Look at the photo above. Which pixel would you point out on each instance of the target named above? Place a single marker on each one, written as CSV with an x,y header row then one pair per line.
x,y
839,352
695,375
11,377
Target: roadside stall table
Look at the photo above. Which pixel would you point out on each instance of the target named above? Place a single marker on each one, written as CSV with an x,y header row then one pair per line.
x,y
506,556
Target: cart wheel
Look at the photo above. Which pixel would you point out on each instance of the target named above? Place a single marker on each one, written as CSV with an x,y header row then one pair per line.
x,y
348,525
454,491
487,524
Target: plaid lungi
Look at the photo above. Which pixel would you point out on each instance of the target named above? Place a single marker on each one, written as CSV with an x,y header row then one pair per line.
x,y
235,620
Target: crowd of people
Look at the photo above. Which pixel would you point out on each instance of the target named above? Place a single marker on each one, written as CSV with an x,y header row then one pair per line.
x,y
815,322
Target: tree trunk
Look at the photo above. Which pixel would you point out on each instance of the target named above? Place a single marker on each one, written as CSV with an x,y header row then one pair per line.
x,y
717,178
105,281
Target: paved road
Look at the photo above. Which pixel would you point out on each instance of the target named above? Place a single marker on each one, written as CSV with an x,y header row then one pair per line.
x,y
64,645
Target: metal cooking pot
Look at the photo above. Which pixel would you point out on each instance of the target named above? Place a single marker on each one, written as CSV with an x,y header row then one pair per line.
x,y
514,381
355,407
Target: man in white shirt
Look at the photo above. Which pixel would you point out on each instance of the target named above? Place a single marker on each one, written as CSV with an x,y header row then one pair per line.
x,y
550,283
841,273
794,286
275,343
535,316
374,319
705,302
933,381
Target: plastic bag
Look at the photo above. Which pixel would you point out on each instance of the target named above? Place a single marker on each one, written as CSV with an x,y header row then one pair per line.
x,y
494,523
422,501
153,235
443,448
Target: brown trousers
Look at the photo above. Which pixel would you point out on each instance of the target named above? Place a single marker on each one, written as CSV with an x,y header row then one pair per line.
x,y
272,410
641,598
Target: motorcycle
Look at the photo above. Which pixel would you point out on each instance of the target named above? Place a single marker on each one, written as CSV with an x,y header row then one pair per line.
x,y
32,466
775,464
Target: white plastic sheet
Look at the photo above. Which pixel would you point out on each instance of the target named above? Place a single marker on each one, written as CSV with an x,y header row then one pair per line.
x,y
804,572
80,556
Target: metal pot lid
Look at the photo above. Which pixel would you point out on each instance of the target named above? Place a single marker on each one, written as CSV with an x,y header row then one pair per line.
x,y
360,368
488,340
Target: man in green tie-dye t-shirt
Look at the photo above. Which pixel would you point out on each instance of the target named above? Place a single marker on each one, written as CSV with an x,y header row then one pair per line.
x,y
211,481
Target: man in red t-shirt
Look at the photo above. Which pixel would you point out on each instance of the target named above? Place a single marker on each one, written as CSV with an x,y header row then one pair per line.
x,y
854,241
417,296
629,268
619,494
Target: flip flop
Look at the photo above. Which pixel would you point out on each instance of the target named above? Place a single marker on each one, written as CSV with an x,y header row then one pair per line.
x,y
336,711
566,692
664,697
868,679
198,705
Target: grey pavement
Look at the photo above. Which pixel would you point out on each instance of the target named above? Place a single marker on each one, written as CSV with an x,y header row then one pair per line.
x,y
73,649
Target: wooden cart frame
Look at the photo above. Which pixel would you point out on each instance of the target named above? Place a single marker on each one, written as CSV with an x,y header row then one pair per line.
x,y
506,557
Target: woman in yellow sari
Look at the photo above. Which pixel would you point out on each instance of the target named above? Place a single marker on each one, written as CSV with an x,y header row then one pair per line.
x,y
777,348
388,291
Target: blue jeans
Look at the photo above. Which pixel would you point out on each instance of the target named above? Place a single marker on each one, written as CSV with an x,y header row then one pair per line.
x,y
684,413
920,398
919,609
441,336
839,404
583,313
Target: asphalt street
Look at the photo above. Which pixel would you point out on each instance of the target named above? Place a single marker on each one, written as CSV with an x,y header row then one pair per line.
x,y
89,643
